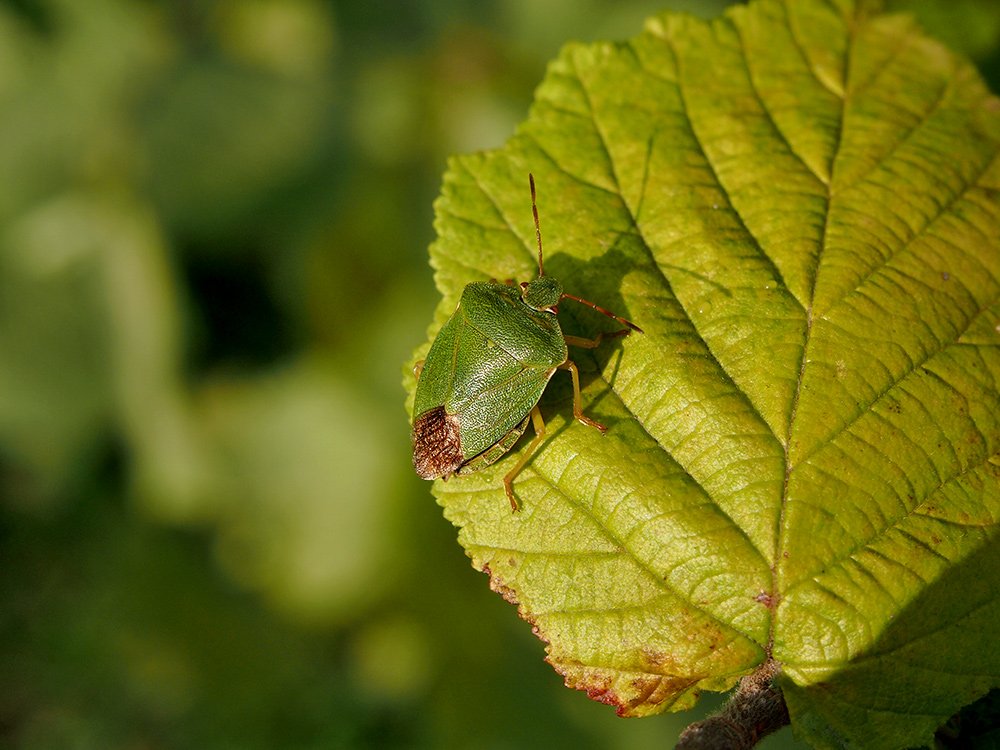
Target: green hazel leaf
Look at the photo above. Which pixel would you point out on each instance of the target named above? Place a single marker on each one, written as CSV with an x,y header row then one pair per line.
x,y
798,203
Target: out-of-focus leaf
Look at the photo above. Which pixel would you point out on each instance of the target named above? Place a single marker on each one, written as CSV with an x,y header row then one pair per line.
x,y
222,138
55,389
969,26
297,454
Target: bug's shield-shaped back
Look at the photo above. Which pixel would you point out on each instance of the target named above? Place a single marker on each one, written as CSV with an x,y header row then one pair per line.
x,y
437,445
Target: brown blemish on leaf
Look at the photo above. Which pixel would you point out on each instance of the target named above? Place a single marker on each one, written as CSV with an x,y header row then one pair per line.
x,y
766,599
653,690
704,632
509,595
540,635
661,662
633,690
437,445
643,691
597,689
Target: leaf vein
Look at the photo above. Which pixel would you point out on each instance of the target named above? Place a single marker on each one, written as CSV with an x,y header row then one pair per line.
x,y
882,533
782,136
743,396
640,564
801,48
942,212
922,361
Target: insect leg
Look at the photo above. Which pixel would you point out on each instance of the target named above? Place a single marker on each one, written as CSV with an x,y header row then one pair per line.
x,y
418,367
577,408
596,341
508,481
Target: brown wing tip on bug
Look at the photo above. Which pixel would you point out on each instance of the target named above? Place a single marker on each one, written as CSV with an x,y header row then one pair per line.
x,y
437,445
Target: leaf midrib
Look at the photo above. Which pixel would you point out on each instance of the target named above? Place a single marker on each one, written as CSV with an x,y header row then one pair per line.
x,y
780,544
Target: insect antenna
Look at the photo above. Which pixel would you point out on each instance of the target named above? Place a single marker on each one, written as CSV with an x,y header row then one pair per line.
x,y
538,231
601,310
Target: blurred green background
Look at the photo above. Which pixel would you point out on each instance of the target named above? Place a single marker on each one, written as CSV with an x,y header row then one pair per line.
x,y
213,228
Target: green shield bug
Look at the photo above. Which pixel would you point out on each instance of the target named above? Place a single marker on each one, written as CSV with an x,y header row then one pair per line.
x,y
486,370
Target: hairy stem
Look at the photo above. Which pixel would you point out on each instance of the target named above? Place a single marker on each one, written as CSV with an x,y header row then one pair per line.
x,y
755,710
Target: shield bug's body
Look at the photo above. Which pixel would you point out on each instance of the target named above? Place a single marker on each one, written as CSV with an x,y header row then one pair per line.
x,y
486,370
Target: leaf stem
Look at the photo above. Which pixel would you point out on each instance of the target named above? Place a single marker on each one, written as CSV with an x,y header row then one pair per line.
x,y
755,710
